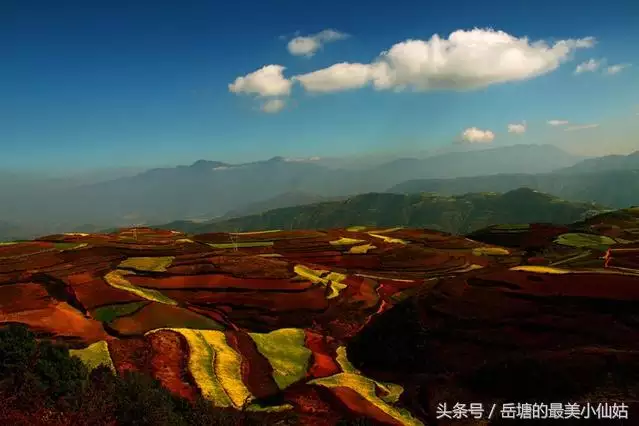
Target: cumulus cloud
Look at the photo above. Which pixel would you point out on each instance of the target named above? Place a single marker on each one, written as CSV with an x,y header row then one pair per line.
x,y
338,77
615,69
581,127
590,65
273,106
557,122
267,81
466,60
475,135
517,128
309,45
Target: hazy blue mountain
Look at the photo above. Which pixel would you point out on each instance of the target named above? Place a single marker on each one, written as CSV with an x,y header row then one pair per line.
x,y
607,163
214,188
530,159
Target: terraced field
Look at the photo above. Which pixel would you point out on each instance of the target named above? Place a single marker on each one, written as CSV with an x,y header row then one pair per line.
x,y
305,318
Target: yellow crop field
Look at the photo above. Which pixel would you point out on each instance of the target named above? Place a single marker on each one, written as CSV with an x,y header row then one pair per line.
x,y
389,240
216,367
361,249
286,352
490,251
333,280
116,279
351,378
94,355
184,241
356,228
542,269
387,231
151,264
346,242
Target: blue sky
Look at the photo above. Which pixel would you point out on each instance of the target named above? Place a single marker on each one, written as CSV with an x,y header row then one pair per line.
x,y
96,84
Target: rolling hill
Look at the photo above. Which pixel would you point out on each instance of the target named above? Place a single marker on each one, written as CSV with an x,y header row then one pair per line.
x,y
615,188
454,214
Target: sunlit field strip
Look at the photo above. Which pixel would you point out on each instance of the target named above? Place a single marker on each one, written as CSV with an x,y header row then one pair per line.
x,y
116,279
94,355
490,251
356,228
361,249
202,363
346,242
389,240
333,280
286,352
353,379
551,270
387,231
151,264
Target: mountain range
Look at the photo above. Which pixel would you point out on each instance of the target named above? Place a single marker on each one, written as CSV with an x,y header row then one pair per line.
x,y
214,189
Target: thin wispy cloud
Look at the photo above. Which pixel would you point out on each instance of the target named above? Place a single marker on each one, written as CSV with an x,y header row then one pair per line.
x,y
309,45
594,65
590,65
273,106
580,127
615,69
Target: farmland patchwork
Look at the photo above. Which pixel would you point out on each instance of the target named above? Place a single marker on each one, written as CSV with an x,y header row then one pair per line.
x,y
281,320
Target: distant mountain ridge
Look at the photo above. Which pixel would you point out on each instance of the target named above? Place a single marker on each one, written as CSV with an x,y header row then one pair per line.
x,y
606,163
216,189
615,188
457,214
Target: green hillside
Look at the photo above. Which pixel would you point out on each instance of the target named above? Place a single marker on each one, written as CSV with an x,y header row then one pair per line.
x,y
614,188
455,214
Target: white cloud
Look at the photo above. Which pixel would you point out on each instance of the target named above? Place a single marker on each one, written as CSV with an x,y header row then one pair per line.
x,y
614,69
590,65
517,128
475,135
581,127
273,106
335,78
557,122
586,42
309,45
465,60
267,81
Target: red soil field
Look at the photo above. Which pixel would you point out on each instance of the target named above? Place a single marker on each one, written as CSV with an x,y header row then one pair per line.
x,y
469,327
